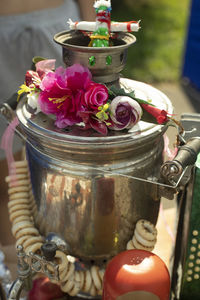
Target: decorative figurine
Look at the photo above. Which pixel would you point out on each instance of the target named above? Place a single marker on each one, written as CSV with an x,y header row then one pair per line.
x,y
103,27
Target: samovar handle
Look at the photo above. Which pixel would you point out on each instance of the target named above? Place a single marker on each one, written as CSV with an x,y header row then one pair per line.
x,y
186,157
7,109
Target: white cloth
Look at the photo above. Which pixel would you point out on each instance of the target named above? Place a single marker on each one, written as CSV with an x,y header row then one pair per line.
x,y
24,36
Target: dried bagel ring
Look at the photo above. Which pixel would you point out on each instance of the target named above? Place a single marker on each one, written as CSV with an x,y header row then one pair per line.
x,y
68,272
12,203
143,241
93,290
21,225
146,229
18,171
27,231
19,164
34,248
101,274
22,239
130,245
63,260
19,195
21,182
87,281
18,207
22,218
141,247
76,287
17,189
95,277
18,213
32,240
13,178
81,274
68,285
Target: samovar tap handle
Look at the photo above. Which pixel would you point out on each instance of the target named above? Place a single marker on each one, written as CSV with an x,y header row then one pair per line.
x,y
186,157
177,172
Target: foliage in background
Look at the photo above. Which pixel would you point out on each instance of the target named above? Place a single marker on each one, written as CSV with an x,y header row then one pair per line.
x,y
157,54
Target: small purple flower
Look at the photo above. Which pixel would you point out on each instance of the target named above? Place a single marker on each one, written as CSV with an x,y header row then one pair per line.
x,y
125,112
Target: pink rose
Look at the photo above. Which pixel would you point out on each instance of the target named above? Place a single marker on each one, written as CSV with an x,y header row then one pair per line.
x,y
95,96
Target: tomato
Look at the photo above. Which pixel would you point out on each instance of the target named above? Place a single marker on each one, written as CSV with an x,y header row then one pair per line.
x,y
136,274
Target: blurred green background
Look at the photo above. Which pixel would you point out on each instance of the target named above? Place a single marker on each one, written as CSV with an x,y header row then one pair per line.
x,y
157,55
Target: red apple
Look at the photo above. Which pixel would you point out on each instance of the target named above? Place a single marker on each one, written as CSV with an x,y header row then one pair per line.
x,y
43,289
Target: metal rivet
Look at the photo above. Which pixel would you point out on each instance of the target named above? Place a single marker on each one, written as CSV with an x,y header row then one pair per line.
x,y
191,256
189,272
196,276
198,253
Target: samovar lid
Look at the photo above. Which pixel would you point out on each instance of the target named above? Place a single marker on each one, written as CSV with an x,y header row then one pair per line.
x,y
42,126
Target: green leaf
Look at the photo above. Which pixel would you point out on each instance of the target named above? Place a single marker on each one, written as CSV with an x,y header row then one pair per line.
x,y
113,90
36,59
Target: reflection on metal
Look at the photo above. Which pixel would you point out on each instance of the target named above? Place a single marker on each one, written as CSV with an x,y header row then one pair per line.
x,y
16,289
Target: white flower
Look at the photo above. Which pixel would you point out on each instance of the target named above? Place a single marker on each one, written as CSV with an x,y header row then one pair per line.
x,y
32,101
125,112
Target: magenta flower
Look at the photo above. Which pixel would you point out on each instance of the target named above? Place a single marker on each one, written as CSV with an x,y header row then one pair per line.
x,y
54,93
32,79
125,112
78,77
62,92
95,96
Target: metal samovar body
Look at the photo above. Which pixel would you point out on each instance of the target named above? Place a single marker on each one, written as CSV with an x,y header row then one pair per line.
x,y
85,185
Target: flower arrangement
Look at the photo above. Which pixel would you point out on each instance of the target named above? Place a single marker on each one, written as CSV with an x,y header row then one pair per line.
x,y
74,98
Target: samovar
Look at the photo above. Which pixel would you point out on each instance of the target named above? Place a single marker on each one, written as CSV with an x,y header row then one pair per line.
x,y
83,183
90,190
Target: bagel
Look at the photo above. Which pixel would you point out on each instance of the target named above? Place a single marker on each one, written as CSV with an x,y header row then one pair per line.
x,y
146,230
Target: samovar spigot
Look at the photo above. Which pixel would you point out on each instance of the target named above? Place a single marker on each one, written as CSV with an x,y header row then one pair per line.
x,y
24,280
